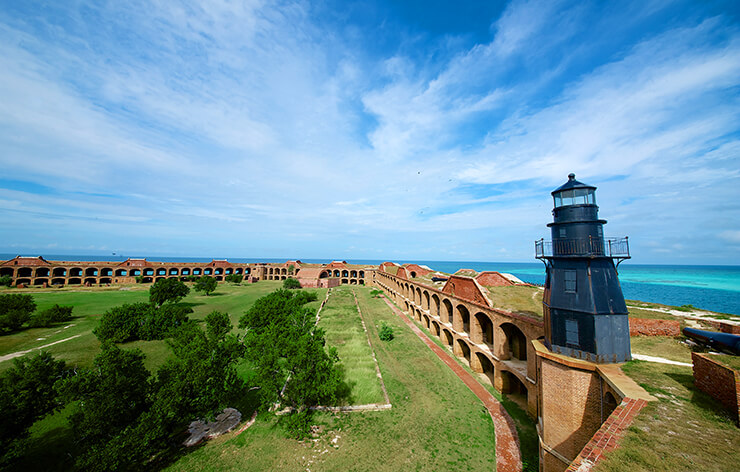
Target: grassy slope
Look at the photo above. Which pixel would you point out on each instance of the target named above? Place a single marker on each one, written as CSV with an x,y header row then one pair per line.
x,y
343,327
436,423
685,430
517,299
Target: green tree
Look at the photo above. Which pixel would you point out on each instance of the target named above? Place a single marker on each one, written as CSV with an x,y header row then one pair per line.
x,y
121,323
26,395
55,314
158,322
205,284
167,290
15,310
234,278
108,400
291,283
6,281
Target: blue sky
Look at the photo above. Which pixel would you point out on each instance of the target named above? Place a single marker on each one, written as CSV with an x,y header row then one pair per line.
x,y
423,130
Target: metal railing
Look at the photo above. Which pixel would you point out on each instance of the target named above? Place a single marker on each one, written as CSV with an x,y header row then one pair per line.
x,y
609,247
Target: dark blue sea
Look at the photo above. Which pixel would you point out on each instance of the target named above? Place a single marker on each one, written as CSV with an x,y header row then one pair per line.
x,y
715,288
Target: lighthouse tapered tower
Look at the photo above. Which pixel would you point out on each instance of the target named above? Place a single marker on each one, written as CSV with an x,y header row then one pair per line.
x,y
584,310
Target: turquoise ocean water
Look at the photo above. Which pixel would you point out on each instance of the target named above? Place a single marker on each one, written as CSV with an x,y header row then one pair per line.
x,y
715,288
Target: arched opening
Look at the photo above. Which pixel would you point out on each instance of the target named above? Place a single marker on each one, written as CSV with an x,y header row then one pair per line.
x,y
426,322
461,322
447,338
229,271
425,300
336,273
516,342
134,272
362,274
161,271
41,282
57,281
106,271
323,274
608,405
75,272
238,271
413,274
185,271
197,271
42,272
353,281
105,280
219,271
247,271
91,271
120,272
486,366
208,271
75,281
362,282
25,272
345,273
160,278
23,282
417,296
6,271
435,328
353,273
174,271
219,278
344,281
482,332
446,311
59,272
435,305
463,350
90,281
148,271
514,388
146,280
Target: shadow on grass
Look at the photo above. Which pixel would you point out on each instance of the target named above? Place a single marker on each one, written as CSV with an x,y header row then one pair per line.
x,y
712,409
49,451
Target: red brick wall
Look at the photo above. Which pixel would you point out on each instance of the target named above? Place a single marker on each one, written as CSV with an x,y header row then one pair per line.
x,y
493,279
723,327
608,436
648,327
718,381
465,288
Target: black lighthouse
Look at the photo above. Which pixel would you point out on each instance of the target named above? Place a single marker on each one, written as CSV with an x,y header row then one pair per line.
x,y
584,310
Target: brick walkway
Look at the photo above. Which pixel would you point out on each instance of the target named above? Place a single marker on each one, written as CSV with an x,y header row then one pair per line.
x,y
508,455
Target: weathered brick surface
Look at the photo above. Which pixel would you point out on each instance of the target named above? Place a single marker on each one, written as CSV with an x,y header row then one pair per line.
x,y
718,381
608,436
465,288
648,327
493,279
723,327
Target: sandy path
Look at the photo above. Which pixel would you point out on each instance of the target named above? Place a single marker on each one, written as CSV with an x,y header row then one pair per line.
x,y
659,360
13,355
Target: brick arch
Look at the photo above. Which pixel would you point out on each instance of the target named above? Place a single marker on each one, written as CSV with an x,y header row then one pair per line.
x,y
481,329
462,349
447,338
435,305
482,364
435,328
425,300
515,343
42,272
417,297
461,320
447,311
59,272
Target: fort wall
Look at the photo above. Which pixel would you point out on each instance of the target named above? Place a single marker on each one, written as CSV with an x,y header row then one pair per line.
x,y
718,381
650,327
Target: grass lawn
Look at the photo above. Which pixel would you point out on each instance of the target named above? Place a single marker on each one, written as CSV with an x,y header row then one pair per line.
x,y
343,328
517,299
685,430
525,426
436,423
661,346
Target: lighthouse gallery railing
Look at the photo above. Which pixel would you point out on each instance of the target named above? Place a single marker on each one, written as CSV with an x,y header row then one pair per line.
x,y
608,247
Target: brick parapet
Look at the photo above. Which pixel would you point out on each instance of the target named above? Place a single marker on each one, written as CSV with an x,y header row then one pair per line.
x,y
722,326
608,435
650,327
718,381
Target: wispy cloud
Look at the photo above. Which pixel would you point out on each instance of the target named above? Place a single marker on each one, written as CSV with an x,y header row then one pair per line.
x,y
260,128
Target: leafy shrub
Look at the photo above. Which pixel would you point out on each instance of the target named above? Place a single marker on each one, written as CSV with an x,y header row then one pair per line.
x,y
46,318
167,290
385,333
375,293
159,322
6,280
121,323
15,310
291,283
205,284
298,424
234,278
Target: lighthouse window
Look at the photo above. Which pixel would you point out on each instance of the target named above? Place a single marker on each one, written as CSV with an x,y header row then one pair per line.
x,y
570,281
571,332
